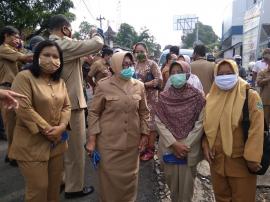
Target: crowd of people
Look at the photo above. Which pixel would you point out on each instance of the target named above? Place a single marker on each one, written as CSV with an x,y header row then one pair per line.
x,y
191,106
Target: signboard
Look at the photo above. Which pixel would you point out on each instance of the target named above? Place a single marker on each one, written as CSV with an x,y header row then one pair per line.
x,y
251,34
185,23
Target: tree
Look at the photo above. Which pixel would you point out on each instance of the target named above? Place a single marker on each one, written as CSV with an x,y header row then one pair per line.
x,y
84,30
31,17
206,36
127,37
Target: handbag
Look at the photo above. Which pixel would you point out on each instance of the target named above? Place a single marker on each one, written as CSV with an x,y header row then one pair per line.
x,y
172,159
266,141
149,77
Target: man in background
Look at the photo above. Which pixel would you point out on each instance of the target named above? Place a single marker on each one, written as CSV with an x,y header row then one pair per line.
x,y
73,51
202,68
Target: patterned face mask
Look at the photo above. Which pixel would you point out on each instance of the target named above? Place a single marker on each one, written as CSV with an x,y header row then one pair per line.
x,y
127,73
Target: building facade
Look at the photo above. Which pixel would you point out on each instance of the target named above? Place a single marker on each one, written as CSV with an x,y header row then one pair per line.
x,y
232,27
256,31
246,29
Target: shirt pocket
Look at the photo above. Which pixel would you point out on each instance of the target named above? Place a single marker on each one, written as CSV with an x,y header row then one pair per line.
x,y
112,98
113,103
136,100
237,152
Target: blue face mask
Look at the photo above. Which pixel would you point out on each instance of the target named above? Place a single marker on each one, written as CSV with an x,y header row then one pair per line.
x,y
127,73
226,82
178,80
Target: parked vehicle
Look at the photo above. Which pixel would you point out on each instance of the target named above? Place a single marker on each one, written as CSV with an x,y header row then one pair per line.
x,y
162,58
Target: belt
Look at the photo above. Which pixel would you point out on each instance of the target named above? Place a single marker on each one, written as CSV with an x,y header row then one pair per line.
x,y
6,84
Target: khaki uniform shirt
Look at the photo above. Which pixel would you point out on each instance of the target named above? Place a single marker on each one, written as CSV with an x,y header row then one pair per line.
x,y
235,166
193,140
205,71
46,105
73,50
99,70
265,90
117,115
8,63
165,74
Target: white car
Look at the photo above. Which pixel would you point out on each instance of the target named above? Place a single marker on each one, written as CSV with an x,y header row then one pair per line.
x,y
162,58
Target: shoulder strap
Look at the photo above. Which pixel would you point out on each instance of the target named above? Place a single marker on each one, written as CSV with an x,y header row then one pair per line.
x,y
246,121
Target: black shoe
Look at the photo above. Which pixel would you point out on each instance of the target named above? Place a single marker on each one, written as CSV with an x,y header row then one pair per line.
x,y
3,137
6,159
13,163
62,188
86,191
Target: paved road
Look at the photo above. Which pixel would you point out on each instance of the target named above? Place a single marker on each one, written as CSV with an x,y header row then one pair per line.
x,y
12,185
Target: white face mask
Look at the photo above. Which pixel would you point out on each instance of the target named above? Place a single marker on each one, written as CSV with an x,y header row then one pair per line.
x,y
226,82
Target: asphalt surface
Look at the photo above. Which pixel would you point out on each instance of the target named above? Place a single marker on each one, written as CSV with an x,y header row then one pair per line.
x,y
12,183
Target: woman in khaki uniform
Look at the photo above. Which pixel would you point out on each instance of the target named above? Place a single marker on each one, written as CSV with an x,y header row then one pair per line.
x,y
9,57
39,142
118,118
224,145
179,119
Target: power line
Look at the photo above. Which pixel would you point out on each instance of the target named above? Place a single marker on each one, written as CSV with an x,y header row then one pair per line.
x,y
88,10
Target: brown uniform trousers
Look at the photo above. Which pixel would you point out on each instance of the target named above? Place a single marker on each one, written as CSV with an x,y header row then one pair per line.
x,y
180,178
230,176
41,164
118,115
73,51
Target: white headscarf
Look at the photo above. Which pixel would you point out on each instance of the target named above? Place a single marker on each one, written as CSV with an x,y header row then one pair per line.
x,y
187,58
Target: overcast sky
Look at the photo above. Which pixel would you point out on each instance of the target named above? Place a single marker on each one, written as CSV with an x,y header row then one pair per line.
x,y
156,15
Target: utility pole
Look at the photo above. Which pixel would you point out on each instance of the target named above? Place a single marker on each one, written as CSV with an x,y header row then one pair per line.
x,y
100,21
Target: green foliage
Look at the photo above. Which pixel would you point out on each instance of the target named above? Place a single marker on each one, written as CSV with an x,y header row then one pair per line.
x,y
206,35
127,37
32,15
84,30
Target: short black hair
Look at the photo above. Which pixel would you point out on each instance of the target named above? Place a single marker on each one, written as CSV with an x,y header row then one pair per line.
x,y
58,21
128,54
9,30
200,50
142,44
35,68
106,51
174,50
